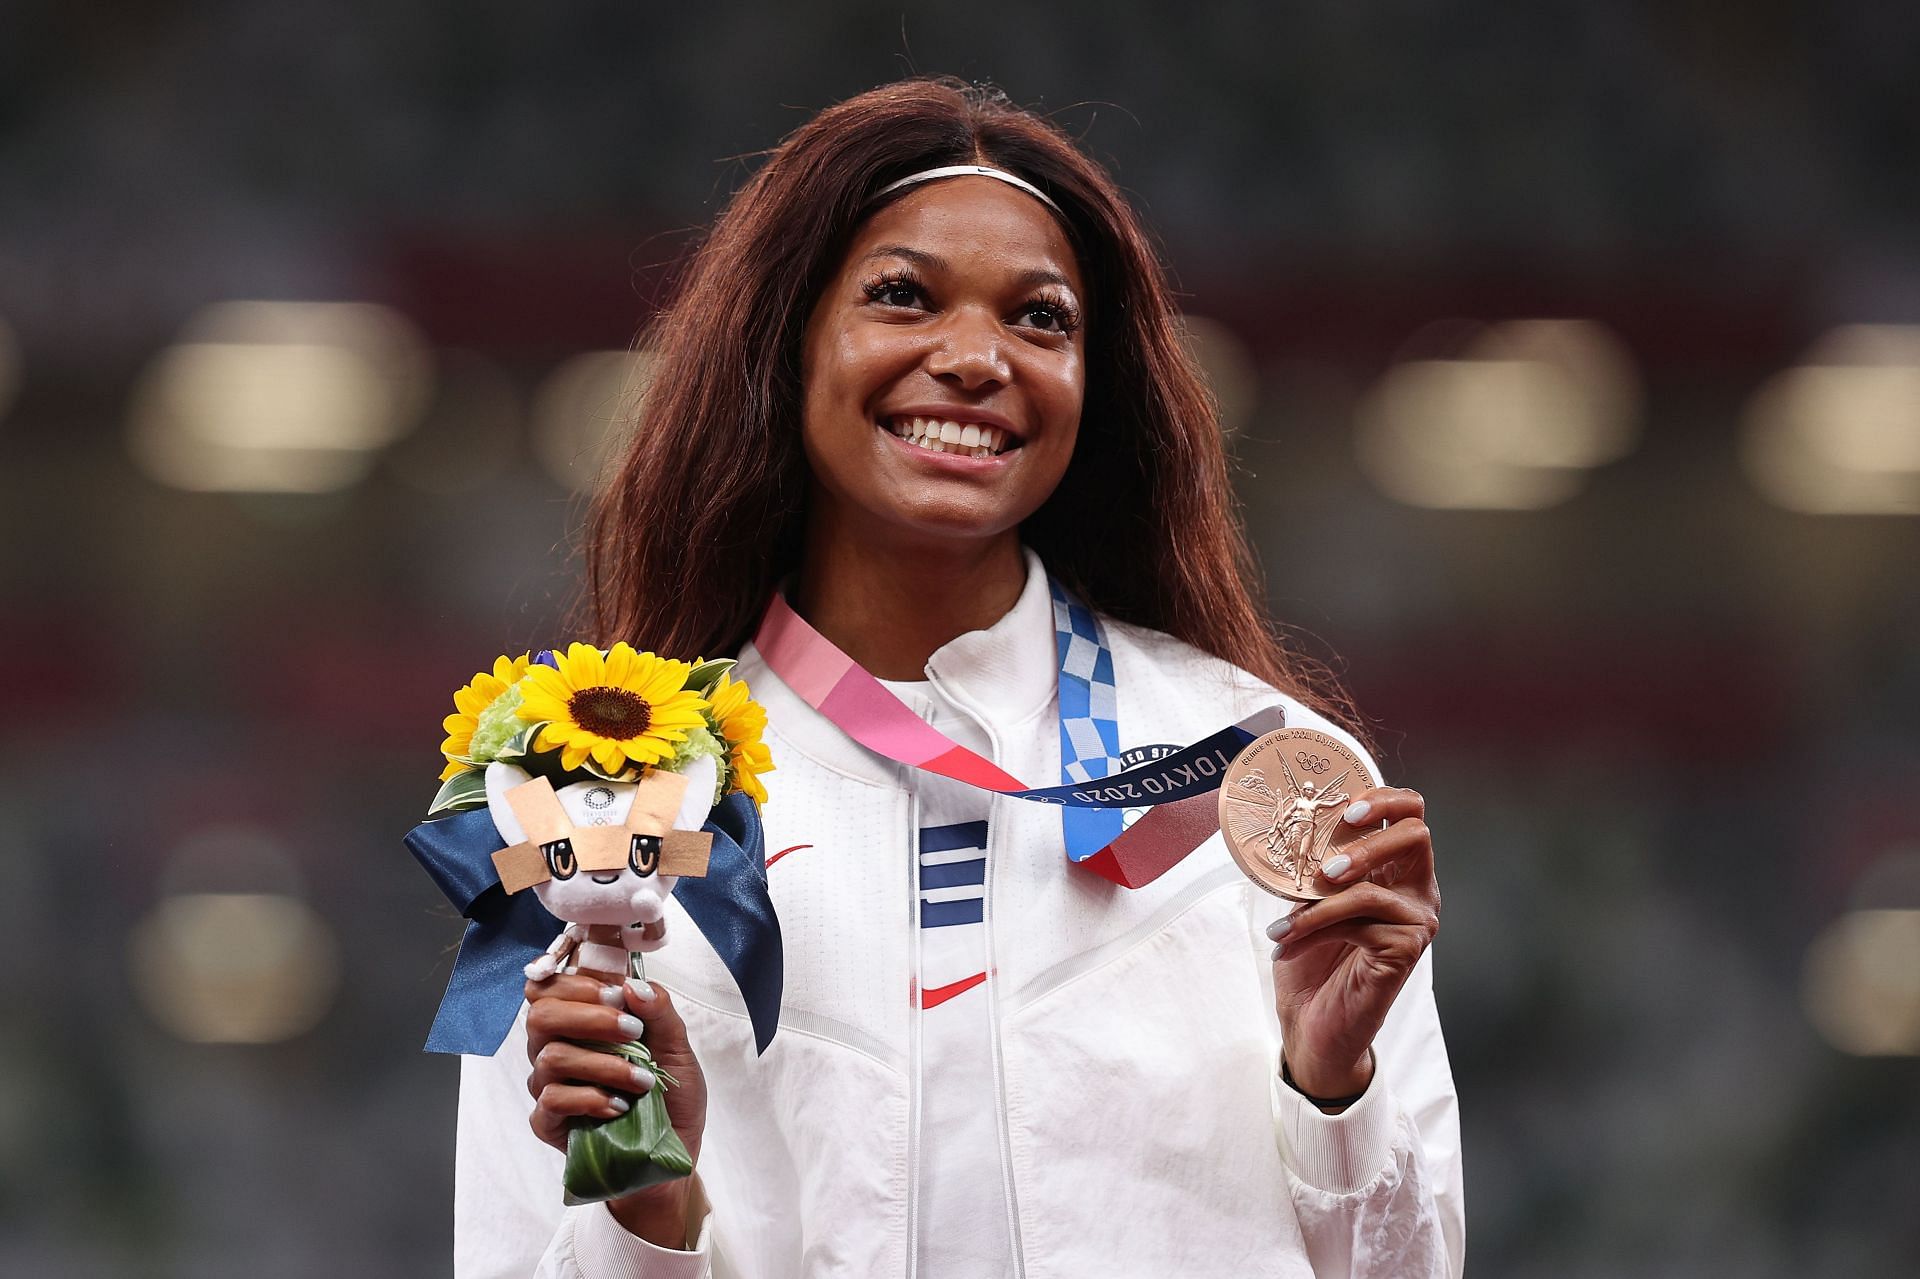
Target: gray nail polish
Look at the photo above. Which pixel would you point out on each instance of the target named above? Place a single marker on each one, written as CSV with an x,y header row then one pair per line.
x,y
1335,867
618,1105
611,997
642,1078
1279,928
630,1026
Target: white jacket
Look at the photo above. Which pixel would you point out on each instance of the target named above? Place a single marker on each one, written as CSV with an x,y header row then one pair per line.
x,y
1144,1128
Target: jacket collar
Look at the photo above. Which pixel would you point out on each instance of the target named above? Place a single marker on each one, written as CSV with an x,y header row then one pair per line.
x,y
1011,669
1001,675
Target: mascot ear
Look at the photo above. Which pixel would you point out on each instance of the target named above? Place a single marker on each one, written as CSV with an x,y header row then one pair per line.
x,y
502,778
702,776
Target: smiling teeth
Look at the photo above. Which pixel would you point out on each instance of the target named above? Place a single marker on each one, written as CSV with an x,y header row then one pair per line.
x,y
937,436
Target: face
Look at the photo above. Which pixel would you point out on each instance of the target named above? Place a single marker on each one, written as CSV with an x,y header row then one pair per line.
x,y
635,901
599,867
944,367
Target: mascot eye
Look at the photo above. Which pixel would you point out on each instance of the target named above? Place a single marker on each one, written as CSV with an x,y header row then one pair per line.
x,y
643,857
560,858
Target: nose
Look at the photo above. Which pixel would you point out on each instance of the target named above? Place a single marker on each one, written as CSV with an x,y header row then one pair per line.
x,y
972,351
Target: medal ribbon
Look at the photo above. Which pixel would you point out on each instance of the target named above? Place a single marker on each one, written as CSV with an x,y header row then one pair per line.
x,y
1181,784
1089,720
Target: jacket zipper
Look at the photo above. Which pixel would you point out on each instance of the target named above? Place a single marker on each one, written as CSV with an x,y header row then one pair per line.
x,y
913,1038
990,988
999,1065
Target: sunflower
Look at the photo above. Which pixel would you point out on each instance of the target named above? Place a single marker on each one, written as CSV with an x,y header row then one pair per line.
x,y
480,693
741,721
620,708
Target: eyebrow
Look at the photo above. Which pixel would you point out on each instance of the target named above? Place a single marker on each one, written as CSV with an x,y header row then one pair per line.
x,y
935,263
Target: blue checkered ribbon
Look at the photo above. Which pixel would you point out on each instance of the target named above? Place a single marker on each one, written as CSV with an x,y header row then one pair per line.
x,y
1089,720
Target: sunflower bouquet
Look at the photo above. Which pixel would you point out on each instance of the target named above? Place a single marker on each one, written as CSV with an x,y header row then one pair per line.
x,y
611,716
607,762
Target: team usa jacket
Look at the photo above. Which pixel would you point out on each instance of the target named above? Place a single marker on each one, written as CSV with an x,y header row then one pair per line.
x,y
1143,1127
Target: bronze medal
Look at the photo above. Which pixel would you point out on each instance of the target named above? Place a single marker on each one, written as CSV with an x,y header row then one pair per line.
x,y
1280,807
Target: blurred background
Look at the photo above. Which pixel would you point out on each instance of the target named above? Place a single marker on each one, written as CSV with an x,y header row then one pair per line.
x,y
1582,333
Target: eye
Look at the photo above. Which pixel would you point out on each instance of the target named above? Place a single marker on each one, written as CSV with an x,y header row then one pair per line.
x,y
560,861
643,855
897,289
1050,315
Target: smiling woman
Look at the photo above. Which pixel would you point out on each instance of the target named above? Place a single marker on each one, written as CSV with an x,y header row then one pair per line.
x,y
924,382
955,308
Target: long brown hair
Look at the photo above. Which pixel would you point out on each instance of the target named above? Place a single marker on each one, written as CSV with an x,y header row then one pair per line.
x,y
705,512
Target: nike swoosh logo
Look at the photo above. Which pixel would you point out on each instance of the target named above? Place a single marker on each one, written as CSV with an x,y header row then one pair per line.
x,y
937,995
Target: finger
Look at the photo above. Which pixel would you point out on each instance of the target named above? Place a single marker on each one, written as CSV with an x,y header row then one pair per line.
x,y
1400,945
549,1019
568,988
560,1103
1362,901
561,1062
1408,841
576,986
1384,803
654,1006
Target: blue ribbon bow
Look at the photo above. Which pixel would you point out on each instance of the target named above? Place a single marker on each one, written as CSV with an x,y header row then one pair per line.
x,y
729,904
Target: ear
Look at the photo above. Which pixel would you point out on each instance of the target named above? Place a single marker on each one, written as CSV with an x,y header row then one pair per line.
x,y
685,852
655,797
702,776
502,778
539,811
520,866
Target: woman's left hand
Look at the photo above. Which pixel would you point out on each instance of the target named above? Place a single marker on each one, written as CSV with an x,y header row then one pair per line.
x,y
1341,961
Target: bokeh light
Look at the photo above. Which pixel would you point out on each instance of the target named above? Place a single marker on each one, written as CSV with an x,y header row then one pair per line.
x,y
234,968
1514,423
580,413
1861,983
278,397
1840,434
230,953
1229,366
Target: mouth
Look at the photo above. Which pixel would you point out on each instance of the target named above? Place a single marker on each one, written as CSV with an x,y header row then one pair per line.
x,y
940,435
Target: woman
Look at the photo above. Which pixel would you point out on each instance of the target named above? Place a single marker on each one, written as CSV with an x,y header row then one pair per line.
x,y
927,368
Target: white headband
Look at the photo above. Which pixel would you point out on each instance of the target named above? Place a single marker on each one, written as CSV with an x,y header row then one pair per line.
x,y
967,171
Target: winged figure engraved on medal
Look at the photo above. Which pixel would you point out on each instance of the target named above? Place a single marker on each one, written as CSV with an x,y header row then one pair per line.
x,y
1291,825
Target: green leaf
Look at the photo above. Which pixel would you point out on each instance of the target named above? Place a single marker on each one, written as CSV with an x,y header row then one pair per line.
x,y
462,791
638,1053
521,743
708,673
607,1158
544,763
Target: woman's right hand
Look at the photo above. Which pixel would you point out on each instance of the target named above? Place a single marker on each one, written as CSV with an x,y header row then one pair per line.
x,y
570,1082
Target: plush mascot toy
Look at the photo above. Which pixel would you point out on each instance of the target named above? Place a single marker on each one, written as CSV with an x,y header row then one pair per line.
x,y
602,857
